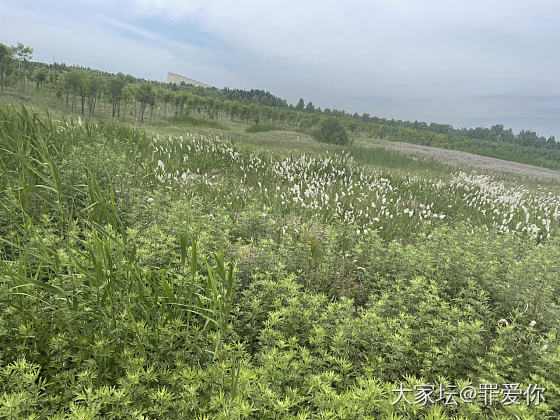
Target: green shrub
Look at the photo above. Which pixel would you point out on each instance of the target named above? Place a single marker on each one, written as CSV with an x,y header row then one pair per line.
x,y
330,130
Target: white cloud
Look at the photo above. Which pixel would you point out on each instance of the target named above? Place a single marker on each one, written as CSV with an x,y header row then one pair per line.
x,y
98,42
412,59
456,45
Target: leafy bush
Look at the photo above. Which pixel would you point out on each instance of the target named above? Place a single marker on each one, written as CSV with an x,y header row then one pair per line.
x,y
330,130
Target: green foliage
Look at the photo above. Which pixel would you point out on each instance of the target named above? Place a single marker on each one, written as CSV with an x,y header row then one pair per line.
x,y
144,95
196,122
39,75
261,128
118,299
330,130
5,58
134,95
529,149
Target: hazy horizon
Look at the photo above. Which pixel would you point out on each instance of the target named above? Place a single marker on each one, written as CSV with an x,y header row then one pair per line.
x,y
468,65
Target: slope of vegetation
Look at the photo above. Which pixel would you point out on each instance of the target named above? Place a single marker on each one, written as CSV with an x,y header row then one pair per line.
x,y
188,277
542,153
80,90
261,128
196,122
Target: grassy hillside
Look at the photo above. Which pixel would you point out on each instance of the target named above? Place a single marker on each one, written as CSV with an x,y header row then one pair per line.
x,y
544,155
176,272
126,97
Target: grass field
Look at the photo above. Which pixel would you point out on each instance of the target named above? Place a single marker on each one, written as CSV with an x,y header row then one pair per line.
x,y
192,269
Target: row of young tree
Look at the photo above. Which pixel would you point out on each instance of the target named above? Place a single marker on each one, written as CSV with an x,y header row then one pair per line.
x,y
13,63
83,87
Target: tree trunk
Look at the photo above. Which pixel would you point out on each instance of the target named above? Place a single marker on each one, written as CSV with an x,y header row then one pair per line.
x,y
142,109
23,77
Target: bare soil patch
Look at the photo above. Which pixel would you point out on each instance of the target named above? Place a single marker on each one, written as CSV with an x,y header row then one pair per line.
x,y
457,157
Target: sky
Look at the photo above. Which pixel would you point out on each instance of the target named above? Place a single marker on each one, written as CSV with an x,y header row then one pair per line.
x,y
467,63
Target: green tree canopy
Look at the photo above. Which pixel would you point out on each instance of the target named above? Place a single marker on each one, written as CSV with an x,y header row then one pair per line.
x,y
23,54
5,56
331,131
39,75
144,96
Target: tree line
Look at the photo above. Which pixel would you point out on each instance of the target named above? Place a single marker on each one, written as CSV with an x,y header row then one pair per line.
x,y
82,89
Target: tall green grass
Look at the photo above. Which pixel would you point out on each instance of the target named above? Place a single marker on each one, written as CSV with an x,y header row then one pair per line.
x,y
191,121
381,157
67,262
262,128
119,299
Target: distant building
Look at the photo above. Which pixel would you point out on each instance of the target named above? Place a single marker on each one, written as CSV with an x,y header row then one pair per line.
x,y
178,79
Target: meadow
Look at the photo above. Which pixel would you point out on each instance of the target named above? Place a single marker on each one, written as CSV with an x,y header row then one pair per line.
x,y
181,270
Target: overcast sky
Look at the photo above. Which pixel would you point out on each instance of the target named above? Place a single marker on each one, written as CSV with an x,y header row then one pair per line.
x,y
465,62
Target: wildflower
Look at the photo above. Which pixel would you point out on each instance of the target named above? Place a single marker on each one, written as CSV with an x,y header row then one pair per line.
x,y
150,200
532,323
